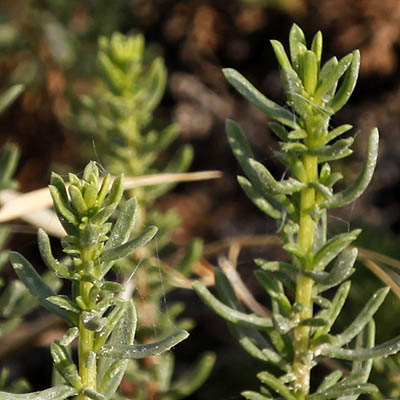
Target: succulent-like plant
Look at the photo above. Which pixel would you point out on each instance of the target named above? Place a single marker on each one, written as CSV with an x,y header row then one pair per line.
x,y
119,118
299,333
102,321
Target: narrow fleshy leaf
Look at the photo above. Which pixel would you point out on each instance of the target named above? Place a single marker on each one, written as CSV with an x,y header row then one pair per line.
x,y
274,289
9,96
243,153
54,265
124,225
194,378
33,281
228,313
246,89
334,310
362,319
143,350
347,87
327,70
64,212
65,303
249,395
316,47
296,93
8,164
341,270
116,192
310,73
356,189
155,81
129,247
193,254
297,44
112,370
340,149
332,78
261,202
334,133
60,392
77,200
332,248
275,384
329,381
343,390
249,338
92,394
288,186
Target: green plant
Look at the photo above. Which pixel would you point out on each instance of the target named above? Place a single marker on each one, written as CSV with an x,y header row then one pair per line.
x,y
103,322
119,118
299,333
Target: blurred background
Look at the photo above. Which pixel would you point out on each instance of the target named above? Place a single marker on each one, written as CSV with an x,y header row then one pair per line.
x,y
51,47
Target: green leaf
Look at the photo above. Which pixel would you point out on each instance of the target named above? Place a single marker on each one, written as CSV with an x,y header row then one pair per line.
x,y
362,319
326,71
274,288
190,381
60,392
254,396
358,187
281,55
54,265
193,254
288,186
129,247
112,370
9,96
116,192
65,366
343,390
330,81
249,338
334,133
261,202
92,394
296,93
143,350
35,284
124,225
228,313
340,271
246,89
8,164
340,149
316,47
330,314
310,72
154,83
297,44
64,212
332,248
275,384
329,381
65,303
347,87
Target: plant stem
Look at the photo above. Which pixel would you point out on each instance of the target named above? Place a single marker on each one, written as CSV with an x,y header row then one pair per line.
x,y
304,286
87,369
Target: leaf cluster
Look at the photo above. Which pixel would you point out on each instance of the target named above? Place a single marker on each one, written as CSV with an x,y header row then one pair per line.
x,y
298,333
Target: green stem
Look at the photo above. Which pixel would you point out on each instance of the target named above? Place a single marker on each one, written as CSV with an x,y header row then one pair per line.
x,y
87,366
304,285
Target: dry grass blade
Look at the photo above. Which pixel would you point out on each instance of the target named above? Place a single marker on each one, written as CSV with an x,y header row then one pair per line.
x,y
240,288
17,205
373,255
384,276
